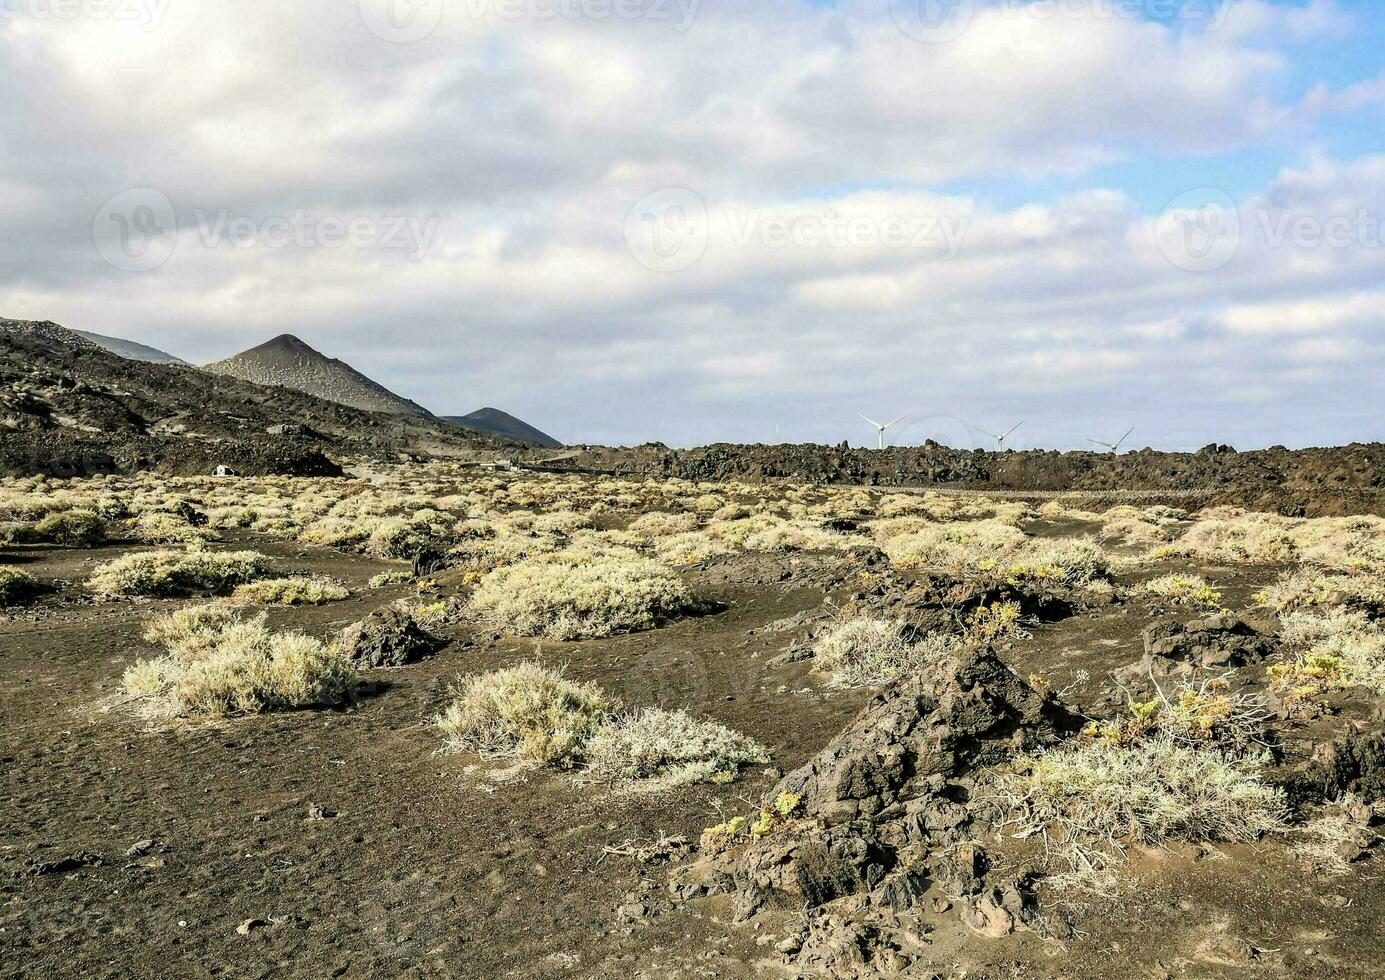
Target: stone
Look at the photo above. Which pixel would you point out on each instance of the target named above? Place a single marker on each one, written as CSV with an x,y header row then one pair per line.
x,y
388,637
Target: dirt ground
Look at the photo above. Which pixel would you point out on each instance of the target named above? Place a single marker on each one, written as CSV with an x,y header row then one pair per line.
x,y
344,843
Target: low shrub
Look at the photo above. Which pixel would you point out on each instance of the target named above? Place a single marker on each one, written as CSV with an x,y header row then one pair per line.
x,y
292,591
577,594
1185,590
866,652
671,748
72,529
220,664
156,573
17,586
158,527
527,712
1328,652
1304,590
1090,799
399,576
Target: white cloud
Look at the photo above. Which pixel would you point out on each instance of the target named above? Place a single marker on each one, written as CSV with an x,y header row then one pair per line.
x,y
530,142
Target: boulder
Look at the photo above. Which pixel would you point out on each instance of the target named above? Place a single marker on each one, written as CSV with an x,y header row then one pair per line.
x,y
388,638
1221,641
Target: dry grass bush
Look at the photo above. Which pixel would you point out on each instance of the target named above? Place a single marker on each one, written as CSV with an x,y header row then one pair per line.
x,y
690,548
767,532
220,664
1232,535
534,714
295,590
867,652
154,573
578,594
17,586
1204,711
1076,562
996,623
158,527
398,576
72,529
1305,590
1089,800
433,615
659,524
918,543
1150,527
1327,652
526,712
667,749
1185,590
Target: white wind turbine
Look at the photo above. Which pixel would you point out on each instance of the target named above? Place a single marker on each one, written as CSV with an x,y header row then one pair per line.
x,y
880,429
1115,447
1000,437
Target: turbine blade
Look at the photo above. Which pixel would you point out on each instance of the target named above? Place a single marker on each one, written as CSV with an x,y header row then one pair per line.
x,y
900,419
1012,429
870,420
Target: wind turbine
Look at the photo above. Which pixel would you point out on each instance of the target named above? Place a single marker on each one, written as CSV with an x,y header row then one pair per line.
x,y
880,429
1115,447
1000,437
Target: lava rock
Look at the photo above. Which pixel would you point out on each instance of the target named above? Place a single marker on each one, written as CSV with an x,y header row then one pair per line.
x,y
388,638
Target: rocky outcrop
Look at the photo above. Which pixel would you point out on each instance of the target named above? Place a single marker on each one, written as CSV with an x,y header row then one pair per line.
x,y
878,820
388,638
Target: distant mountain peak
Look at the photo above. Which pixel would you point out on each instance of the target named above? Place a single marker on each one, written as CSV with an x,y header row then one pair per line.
x,y
285,341
498,423
286,361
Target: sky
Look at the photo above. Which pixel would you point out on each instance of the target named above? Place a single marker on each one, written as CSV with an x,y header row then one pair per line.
x,y
693,221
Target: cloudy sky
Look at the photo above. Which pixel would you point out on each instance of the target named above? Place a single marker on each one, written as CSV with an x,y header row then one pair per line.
x,y
631,220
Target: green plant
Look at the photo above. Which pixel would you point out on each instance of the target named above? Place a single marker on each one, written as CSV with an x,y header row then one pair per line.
x,y
1183,589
